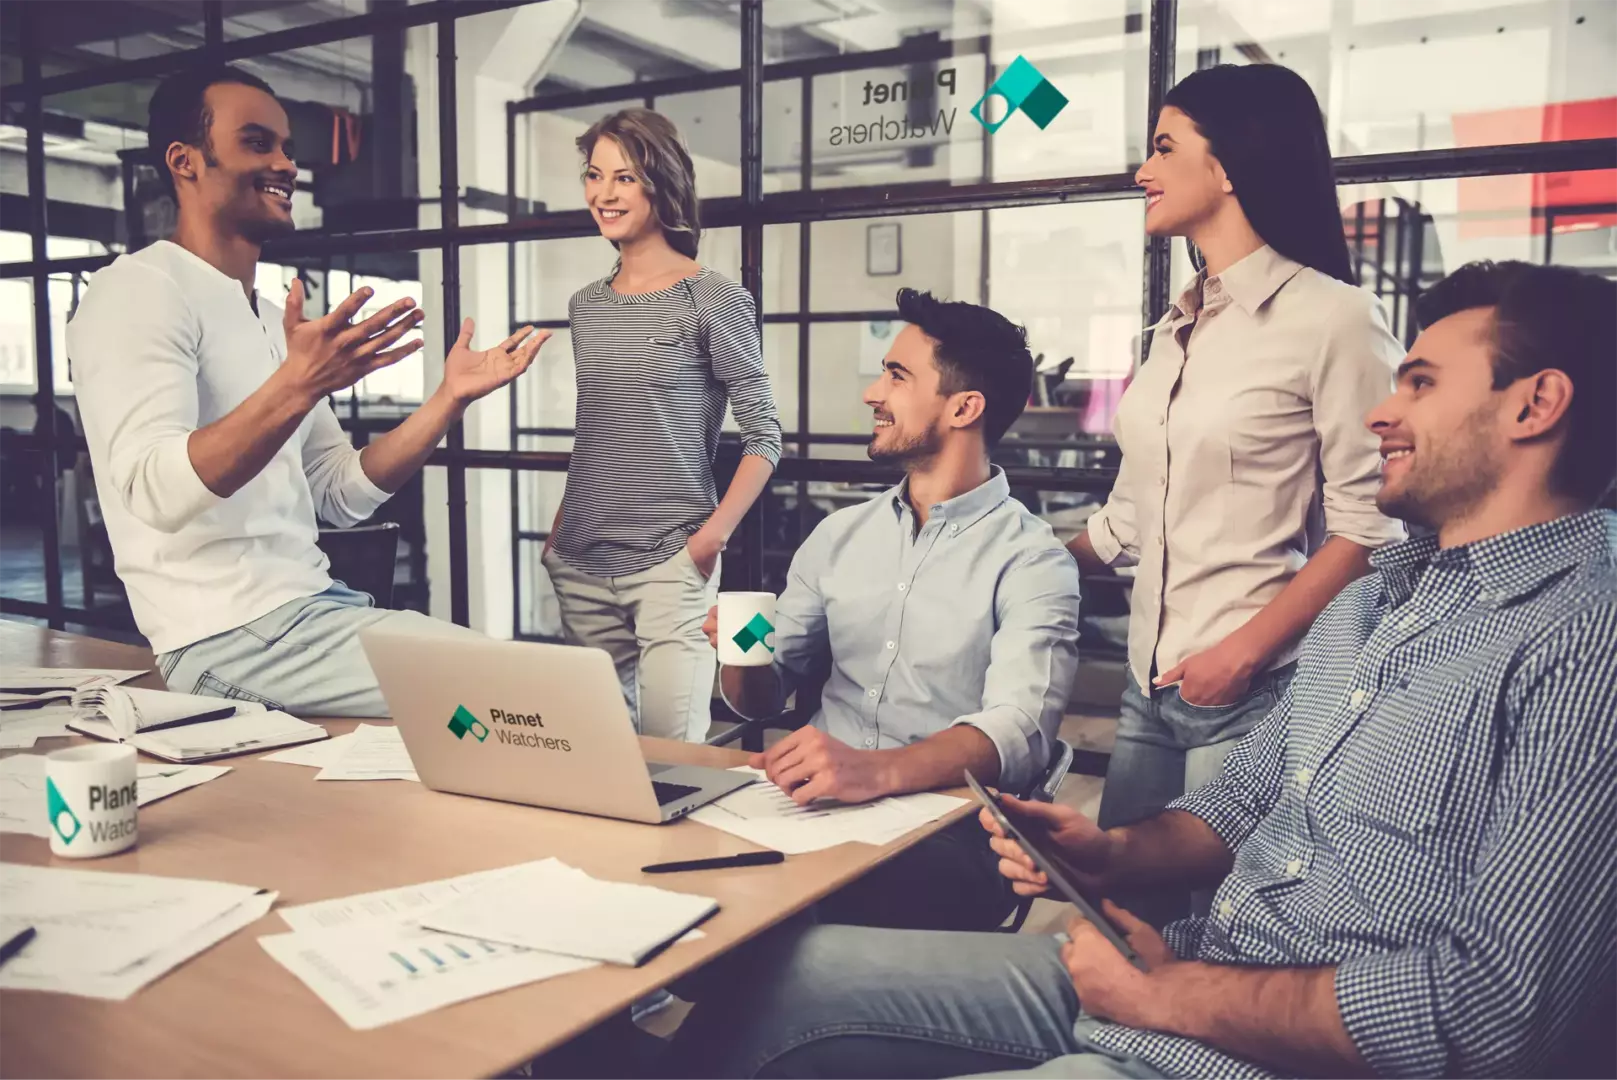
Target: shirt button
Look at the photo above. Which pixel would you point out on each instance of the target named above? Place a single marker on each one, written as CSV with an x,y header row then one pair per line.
x,y
1163,419
1303,777
1162,481
954,528
1226,909
870,741
892,644
1356,698
902,586
1294,867
871,692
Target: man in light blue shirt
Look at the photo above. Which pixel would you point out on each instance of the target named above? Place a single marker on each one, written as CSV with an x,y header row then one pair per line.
x,y
941,617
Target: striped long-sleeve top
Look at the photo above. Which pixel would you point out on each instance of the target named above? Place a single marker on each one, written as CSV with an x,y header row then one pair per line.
x,y
655,372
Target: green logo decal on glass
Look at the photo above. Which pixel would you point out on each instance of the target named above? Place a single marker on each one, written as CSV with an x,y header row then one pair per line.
x,y
1023,87
756,632
463,722
63,819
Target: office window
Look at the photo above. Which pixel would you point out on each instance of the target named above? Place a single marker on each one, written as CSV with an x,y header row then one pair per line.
x,y
1395,75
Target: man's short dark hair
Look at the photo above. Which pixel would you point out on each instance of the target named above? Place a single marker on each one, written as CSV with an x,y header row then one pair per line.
x,y
977,349
1549,317
179,111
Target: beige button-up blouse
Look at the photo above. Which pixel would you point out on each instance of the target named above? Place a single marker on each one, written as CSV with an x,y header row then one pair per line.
x,y
1244,448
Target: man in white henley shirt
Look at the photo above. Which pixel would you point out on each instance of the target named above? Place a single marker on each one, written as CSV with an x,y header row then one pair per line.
x,y
214,448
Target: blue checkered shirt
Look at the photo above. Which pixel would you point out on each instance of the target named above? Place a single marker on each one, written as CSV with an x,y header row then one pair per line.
x,y
1432,809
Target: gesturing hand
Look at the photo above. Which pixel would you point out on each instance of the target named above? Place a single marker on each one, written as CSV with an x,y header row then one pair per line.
x,y
329,354
470,375
1080,843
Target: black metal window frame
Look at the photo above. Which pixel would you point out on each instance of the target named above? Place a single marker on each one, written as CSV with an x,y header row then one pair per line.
x,y
751,211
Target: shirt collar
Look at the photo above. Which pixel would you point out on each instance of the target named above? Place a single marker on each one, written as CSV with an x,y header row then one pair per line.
x,y
1508,566
1250,283
963,510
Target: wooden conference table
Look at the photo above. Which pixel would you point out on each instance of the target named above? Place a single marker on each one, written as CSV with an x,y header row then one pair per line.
x,y
233,1011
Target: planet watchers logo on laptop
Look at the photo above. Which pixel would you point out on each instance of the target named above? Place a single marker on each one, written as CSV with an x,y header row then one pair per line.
x,y
1024,87
756,632
63,819
464,723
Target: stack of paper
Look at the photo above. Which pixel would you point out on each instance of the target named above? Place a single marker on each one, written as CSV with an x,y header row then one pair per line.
x,y
316,755
26,684
22,789
373,753
106,935
35,703
555,907
372,963
768,817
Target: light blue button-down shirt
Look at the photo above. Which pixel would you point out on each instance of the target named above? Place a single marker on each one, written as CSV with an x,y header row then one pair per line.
x,y
973,619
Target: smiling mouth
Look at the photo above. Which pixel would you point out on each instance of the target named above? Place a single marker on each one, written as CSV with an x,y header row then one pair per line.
x,y
883,423
277,188
1152,198
611,215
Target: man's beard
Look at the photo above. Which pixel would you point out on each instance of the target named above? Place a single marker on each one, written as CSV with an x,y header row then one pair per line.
x,y
909,450
1448,479
261,230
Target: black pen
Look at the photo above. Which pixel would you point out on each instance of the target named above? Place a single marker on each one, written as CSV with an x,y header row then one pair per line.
x,y
750,858
16,944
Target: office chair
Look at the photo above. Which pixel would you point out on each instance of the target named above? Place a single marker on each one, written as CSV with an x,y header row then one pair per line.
x,y
363,558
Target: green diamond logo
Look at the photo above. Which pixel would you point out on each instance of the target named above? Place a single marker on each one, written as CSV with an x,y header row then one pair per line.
x,y
63,819
756,632
464,723
1022,87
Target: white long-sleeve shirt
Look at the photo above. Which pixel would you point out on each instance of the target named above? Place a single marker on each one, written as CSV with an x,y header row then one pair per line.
x,y
164,343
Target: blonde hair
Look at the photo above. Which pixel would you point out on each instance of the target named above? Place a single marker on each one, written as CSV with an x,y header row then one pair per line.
x,y
660,161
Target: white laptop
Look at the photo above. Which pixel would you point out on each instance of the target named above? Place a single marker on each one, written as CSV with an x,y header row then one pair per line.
x,y
524,722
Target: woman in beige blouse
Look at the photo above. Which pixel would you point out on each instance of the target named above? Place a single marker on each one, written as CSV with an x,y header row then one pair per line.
x,y
1246,495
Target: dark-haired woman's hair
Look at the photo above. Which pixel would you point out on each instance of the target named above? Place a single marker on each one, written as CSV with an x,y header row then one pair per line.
x,y
660,161
975,348
1263,124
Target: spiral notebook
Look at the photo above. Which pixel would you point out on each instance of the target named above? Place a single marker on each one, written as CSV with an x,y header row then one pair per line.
x,y
185,727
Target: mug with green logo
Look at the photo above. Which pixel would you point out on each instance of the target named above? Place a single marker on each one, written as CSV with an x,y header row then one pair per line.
x,y
746,629
90,800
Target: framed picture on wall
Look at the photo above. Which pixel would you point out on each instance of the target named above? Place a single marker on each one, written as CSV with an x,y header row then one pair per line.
x,y
884,250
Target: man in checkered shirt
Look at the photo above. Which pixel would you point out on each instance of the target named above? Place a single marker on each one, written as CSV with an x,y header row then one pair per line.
x,y
1417,849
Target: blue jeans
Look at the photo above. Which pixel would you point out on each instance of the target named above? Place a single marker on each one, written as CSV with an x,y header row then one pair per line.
x,y
1166,747
854,1001
303,658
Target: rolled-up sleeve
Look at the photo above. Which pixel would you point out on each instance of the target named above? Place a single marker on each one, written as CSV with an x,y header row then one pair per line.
x,y
1522,951
133,343
731,334
1033,658
1352,373
1249,783
343,494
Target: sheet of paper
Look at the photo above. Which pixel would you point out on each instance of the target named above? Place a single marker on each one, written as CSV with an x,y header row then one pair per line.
x,y
316,754
19,728
216,738
368,960
376,753
766,816
551,906
102,934
380,974
22,789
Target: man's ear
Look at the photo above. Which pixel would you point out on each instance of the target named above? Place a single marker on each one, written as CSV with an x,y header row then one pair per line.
x,y
967,409
181,160
1539,403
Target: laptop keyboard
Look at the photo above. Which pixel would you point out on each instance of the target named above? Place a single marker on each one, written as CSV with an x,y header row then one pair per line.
x,y
667,793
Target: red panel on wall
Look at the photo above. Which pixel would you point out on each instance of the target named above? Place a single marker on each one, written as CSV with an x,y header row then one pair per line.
x,y
1517,205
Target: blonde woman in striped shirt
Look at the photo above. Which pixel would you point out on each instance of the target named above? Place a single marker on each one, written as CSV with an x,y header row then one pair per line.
x,y
661,346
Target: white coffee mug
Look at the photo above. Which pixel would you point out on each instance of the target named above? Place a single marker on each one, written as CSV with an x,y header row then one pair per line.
x,y
90,800
746,629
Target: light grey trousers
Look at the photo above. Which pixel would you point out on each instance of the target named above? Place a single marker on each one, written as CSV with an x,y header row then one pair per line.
x,y
650,623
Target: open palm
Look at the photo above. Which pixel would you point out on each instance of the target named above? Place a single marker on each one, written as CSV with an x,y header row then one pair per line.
x,y
469,375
